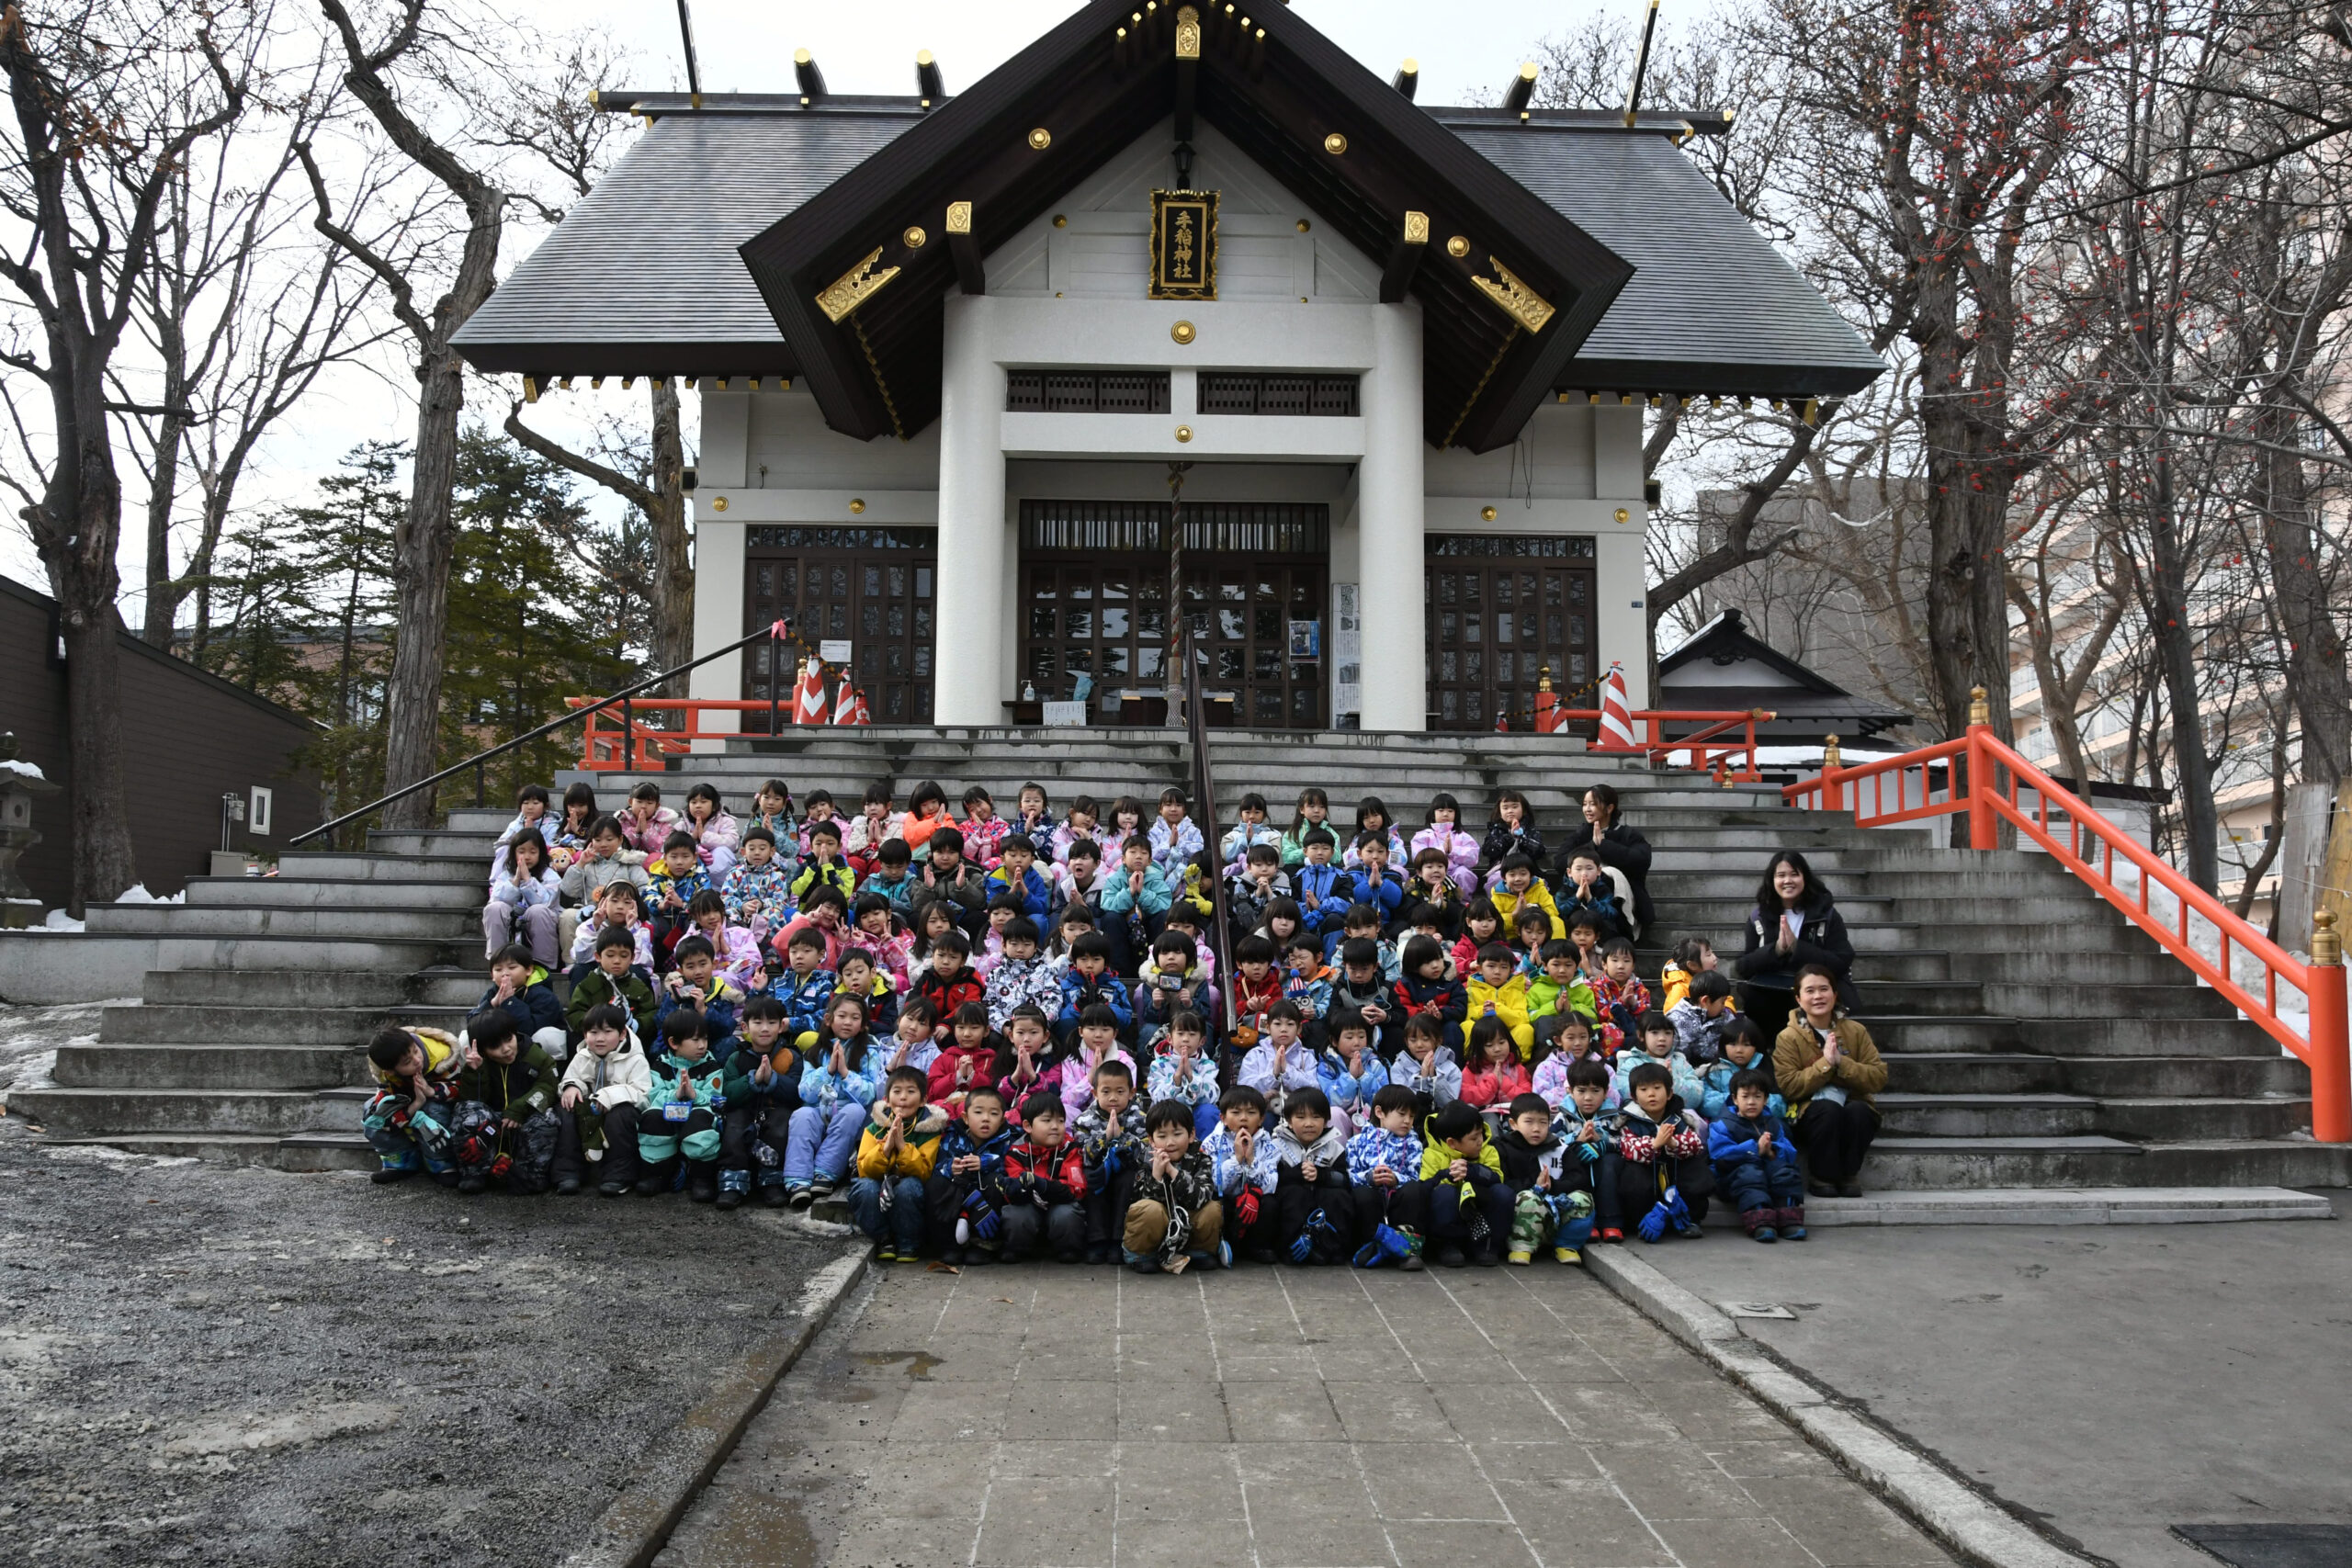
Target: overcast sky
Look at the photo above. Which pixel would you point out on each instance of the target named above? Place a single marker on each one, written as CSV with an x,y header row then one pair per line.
x,y
747,46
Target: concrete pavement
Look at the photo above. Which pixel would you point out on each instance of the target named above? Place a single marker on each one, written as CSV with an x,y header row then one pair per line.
x,y
2113,1382
1081,1416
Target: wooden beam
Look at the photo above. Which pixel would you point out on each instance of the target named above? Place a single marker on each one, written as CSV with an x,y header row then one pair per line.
x,y
964,249
1405,258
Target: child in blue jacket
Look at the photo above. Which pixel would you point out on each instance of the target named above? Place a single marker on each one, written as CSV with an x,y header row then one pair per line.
x,y
1755,1165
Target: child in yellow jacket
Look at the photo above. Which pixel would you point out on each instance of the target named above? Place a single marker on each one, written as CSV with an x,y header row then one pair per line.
x,y
1497,988
1518,889
895,1153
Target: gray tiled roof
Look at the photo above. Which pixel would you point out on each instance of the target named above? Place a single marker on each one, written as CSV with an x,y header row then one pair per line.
x,y
1707,287
648,259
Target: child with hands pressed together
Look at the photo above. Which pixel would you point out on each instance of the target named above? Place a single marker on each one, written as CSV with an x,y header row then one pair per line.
x,y
1250,830
1281,1061
717,835
1314,1214
1469,1202
1427,989
1088,983
646,823
1176,1218
1026,1059
1591,1125
677,1134
1306,983
824,866
1619,993
1492,1073
1174,839
839,1080
694,987
1755,1165
984,831
1021,976
1246,1169
1098,1036
1182,1068
736,955
896,1153
965,1193
523,900
1360,989
1111,1142
1565,1039
1501,991
965,1058
1457,851
1350,1072
1653,1041
763,1088
615,980
758,891
1425,1067
1482,927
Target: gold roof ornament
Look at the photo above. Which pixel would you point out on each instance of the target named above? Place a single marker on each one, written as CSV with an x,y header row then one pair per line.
x,y
1188,34
1520,302
959,217
855,288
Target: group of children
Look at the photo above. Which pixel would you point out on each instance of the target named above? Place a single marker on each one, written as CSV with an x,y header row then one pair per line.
x,y
1006,1037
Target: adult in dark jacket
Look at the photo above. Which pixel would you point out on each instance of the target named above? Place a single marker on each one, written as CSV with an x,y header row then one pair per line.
x,y
1795,922
1620,847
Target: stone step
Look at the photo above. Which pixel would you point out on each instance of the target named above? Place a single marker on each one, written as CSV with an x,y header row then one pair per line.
x,y
150,1023
2062,1206
219,1148
1899,1035
1948,1163
1987,1072
2173,1119
322,1151
448,986
2120,1000
437,843
270,920
238,892
94,1112
164,1065
333,865
2270,1076
305,987
2038,1115
281,950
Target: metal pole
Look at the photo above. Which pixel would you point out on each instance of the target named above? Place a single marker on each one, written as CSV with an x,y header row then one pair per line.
x,y
775,677
629,735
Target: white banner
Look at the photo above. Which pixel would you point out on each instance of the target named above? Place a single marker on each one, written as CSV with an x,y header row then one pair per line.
x,y
1347,650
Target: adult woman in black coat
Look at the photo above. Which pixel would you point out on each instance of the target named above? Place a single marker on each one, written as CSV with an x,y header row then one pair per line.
x,y
1795,924
1617,845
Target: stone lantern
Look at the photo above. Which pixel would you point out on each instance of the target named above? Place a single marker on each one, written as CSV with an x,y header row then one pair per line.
x,y
19,782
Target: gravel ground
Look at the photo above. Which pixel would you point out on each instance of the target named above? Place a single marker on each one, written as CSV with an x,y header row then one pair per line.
x,y
208,1364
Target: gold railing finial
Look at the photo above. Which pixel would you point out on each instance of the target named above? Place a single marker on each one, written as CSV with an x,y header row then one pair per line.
x,y
1830,756
2328,943
1979,710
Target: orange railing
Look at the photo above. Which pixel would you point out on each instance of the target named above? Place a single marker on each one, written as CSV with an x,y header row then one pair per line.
x,y
1981,775
1703,751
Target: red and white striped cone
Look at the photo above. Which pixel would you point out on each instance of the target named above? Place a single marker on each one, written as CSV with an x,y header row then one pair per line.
x,y
808,696
859,713
1616,714
845,702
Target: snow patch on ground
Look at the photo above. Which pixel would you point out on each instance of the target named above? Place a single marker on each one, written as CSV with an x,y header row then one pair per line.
x,y
252,1432
2205,941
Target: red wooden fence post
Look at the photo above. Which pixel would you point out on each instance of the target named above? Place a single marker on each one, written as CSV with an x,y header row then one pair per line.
x,y
2331,1037
1984,832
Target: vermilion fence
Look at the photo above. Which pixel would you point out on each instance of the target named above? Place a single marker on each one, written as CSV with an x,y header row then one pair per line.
x,y
1982,775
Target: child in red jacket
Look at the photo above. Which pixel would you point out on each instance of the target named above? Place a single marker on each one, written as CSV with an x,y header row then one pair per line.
x,y
1044,1182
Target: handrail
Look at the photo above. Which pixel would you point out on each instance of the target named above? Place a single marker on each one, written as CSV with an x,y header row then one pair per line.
x,y
1661,747
778,631
1196,731
1973,767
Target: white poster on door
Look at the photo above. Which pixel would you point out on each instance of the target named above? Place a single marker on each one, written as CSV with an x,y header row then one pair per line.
x,y
1347,650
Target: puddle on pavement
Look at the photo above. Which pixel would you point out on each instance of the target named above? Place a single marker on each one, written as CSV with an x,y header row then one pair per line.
x,y
745,1527
919,1362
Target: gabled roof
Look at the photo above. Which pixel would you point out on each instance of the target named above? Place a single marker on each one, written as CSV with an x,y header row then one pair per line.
x,y
701,252
1284,94
1755,675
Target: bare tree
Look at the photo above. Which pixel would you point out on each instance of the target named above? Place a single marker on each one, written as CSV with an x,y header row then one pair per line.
x,y
240,320
110,99
562,129
426,541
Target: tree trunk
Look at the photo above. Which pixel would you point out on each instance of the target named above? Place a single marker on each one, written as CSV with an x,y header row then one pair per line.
x,y
673,566
2316,682
80,557
2177,658
422,551
163,590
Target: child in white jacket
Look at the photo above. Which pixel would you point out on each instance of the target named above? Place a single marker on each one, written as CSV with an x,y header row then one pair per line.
x,y
603,1087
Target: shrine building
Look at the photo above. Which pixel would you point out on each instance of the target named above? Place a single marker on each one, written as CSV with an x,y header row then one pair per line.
x,y
957,353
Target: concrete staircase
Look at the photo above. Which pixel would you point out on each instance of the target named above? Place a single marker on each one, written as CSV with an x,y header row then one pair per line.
x,y
2036,1038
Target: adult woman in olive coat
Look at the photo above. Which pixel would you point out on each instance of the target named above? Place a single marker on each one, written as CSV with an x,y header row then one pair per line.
x,y
1795,922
